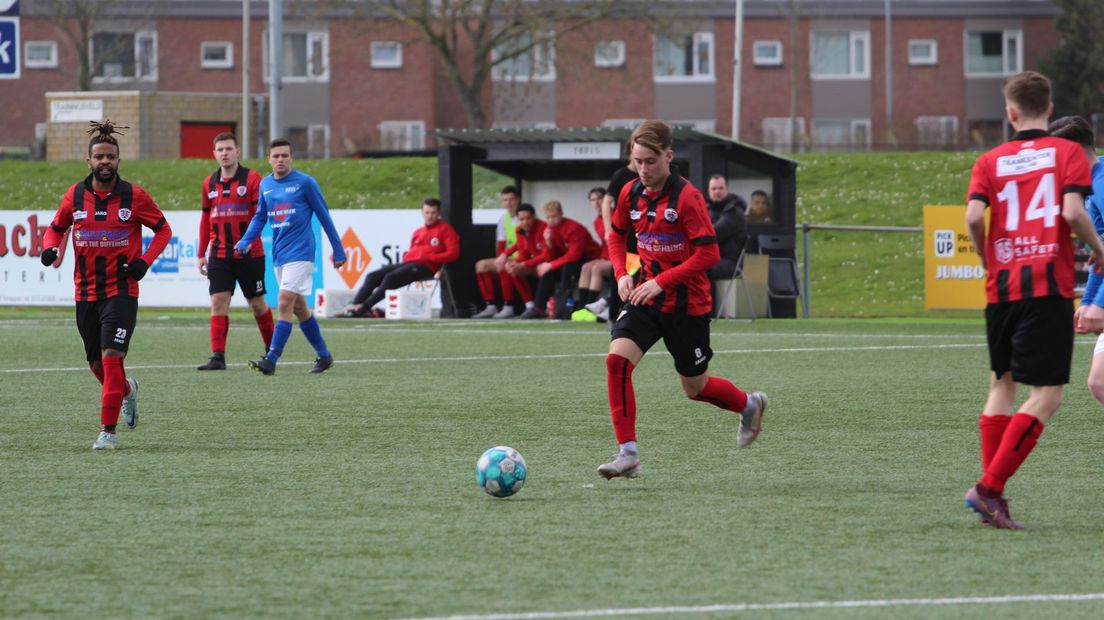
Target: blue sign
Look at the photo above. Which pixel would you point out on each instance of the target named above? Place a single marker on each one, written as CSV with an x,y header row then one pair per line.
x,y
9,48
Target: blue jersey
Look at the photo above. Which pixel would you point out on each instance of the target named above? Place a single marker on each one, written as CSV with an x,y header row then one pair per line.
x,y
289,204
1094,291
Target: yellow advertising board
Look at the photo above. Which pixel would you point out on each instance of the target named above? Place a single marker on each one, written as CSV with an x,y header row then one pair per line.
x,y
953,276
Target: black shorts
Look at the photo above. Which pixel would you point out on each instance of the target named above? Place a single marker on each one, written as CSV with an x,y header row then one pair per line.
x,y
106,324
248,272
686,337
1033,338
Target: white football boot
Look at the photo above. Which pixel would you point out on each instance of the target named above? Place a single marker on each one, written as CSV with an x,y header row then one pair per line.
x,y
106,441
751,419
624,465
130,405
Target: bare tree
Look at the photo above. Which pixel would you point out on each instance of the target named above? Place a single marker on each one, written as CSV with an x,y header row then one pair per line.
x,y
475,39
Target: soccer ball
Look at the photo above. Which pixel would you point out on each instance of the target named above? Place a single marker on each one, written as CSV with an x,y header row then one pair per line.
x,y
501,471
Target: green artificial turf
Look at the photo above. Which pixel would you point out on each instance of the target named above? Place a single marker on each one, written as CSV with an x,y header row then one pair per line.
x,y
352,494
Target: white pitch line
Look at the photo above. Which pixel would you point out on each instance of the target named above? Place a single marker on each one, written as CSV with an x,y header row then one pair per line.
x,y
743,607
541,356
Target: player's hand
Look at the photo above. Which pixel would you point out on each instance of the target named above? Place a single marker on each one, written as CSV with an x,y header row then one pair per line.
x,y
500,262
1092,319
202,264
338,263
136,269
49,256
238,252
624,287
543,268
1077,328
644,293
1097,262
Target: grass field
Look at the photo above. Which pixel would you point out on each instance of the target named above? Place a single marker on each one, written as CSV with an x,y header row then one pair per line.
x,y
351,494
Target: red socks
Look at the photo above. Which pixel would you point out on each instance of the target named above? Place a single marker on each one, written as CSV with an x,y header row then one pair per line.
x,y
506,283
486,286
521,284
98,371
991,428
722,393
265,324
1016,443
622,399
219,326
114,386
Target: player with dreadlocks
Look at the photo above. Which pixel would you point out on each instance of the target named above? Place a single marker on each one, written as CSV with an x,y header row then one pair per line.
x,y
107,214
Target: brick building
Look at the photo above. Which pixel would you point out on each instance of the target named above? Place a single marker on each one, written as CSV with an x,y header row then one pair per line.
x,y
815,79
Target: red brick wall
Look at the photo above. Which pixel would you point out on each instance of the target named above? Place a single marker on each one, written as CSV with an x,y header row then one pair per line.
x,y
587,95
927,90
766,90
22,100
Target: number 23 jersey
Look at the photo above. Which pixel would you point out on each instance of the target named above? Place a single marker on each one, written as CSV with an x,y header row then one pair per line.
x,y
1028,250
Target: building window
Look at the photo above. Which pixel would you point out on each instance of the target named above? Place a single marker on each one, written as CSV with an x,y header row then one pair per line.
x,y
767,53
936,131
522,59
841,54
699,125
684,58
783,133
311,141
609,54
623,123
994,52
306,57
402,135
216,55
122,57
40,54
386,55
923,52
842,132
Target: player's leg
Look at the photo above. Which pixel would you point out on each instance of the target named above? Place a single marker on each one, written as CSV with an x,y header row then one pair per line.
x,y
1096,371
308,324
289,278
485,276
250,273
220,286
632,335
687,339
546,285
397,277
371,283
509,287
118,316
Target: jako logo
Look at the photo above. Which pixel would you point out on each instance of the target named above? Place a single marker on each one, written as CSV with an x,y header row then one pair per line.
x,y
357,258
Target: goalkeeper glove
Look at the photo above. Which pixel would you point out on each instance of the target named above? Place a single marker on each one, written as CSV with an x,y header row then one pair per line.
x,y
136,269
48,257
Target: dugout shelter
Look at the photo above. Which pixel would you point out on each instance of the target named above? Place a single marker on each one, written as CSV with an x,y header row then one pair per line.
x,y
562,164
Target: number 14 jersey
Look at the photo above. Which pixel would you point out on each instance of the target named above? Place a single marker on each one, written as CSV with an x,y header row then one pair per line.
x,y
1028,249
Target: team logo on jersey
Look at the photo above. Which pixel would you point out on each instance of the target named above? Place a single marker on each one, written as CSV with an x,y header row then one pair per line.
x,y
1003,250
241,190
634,215
124,214
435,242
670,215
211,195
291,189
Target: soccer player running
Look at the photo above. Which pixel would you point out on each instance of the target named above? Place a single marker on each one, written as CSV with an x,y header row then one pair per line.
x,y
1089,318
107,215
1034,186
289,199
229,203
669,298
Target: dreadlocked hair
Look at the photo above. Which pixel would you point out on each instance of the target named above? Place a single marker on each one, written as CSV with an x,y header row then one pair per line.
x,y
104,133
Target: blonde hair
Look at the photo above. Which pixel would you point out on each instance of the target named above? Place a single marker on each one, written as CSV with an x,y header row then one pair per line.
x,y
654,135
552,206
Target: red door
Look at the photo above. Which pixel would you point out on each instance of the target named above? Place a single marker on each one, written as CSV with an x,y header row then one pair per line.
x,y
197,140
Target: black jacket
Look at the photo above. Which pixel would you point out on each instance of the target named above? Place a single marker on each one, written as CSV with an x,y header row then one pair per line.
x,y
730,223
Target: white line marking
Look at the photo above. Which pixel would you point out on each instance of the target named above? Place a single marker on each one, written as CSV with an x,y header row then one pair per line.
x,y
708,609
541,356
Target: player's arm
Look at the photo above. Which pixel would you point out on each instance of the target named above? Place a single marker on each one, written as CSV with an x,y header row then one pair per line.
x,y
55,232
260,218
204,229
576,245
975,223
615,239
322,212
607,213
150,216
450,253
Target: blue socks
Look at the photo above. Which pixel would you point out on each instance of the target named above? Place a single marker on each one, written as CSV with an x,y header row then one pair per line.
x,y
314,336
280,335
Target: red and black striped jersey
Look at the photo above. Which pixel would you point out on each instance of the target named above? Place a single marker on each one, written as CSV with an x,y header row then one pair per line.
x,y
1028,249
107,235
228,207
675,240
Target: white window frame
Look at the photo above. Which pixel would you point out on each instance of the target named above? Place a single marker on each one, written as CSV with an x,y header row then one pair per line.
x,y
865,124
603,62
387,63
50,63
767,61
948,126
1006,68
500,74
854,124
706,125
405,126
313,36
139,37
623,123
853,37
932,58
314,129
206,63
697,39
789,127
